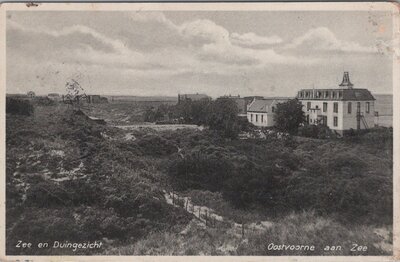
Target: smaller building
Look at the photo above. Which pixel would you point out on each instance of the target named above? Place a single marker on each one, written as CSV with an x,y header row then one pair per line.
x,y
260,112
96,99
54,96
192,97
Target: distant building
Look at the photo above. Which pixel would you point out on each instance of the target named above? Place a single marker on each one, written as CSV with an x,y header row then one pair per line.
x,y
341,109
96,99
260,112
31,94
54,96
192,97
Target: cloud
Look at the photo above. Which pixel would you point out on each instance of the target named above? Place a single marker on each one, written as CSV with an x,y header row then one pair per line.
x,y
217,44
251,39
323,39
204,30
116,45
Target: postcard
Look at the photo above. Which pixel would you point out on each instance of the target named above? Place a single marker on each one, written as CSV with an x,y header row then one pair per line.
x,y
200,131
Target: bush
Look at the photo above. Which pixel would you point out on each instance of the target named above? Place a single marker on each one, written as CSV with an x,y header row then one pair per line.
x,y
306,228
43,101
252,185
200,170
18,107
155,145
315,131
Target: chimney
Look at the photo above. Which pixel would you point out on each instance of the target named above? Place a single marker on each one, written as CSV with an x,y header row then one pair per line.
x,y
346,81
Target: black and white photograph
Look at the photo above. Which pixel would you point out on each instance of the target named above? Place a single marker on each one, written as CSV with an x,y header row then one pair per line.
x,y
224,129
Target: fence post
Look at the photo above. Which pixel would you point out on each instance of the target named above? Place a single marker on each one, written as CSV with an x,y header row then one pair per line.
x,y
187,203
199,213
242,230
206,217
173,199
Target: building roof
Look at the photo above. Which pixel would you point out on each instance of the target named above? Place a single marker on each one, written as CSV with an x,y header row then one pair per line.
x,y
194,96
344,94
263,105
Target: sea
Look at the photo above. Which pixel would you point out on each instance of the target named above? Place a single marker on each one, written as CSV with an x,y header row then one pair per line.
x,y
384,107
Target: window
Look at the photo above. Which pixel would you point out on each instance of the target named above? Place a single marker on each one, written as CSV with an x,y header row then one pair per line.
x,y
273,109
349,108
326,94
335,107
251,117
262,118
340,94
333,94
308,105
256,118
335,121
325,107
367,107
316,107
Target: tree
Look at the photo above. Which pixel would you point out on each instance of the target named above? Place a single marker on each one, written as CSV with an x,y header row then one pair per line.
x,y
289,116
75,93
223,116
193,112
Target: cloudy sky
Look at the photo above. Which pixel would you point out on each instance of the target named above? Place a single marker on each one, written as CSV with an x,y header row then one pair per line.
x,y
165,53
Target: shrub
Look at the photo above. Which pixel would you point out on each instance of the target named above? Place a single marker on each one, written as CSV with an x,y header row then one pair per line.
x,y
251,185
200,171
43,101
18,107
315,131
155,145
307,228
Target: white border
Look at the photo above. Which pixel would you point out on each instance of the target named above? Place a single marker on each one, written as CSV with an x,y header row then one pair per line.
x,y
364,6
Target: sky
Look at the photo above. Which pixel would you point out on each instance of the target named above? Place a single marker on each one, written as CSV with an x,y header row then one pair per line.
x,y
143,53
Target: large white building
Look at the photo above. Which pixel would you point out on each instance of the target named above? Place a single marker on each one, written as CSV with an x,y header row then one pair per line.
x,y
341,109
260,112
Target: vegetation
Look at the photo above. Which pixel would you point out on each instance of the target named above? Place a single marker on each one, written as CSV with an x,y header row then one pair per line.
x,y
289,116
76,185
19,107
69,178
305,227
316,131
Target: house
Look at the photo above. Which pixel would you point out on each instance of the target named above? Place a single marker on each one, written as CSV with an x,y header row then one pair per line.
x,y
192,97
96,99
54,96
260,112
341,109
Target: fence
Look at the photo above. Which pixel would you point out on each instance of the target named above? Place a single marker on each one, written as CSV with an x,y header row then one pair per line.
x,y
208,217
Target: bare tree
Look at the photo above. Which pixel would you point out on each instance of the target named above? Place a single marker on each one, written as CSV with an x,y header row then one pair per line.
x,y
75,94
